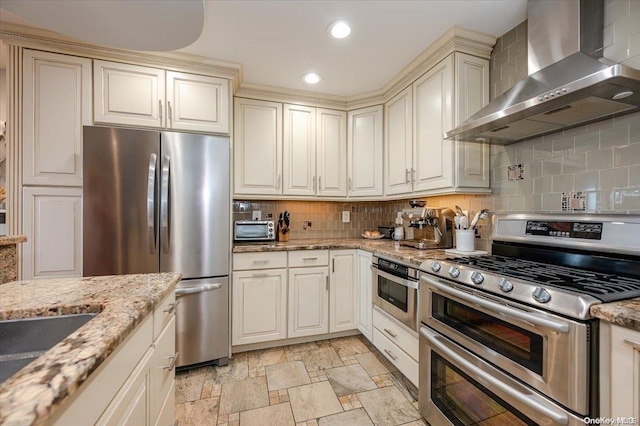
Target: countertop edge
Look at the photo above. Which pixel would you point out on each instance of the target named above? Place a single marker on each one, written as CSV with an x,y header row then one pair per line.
x,y
7,240
624,313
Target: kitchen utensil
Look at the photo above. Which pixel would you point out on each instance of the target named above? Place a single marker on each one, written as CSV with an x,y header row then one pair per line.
x,y
456,221
464,222
482,214
475,220
417,203
459,211
287,220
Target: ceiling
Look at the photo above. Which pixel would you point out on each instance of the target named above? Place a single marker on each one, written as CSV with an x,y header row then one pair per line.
x,y
279,41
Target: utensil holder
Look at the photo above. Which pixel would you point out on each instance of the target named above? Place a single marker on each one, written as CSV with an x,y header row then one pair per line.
x,y
283,236
465,240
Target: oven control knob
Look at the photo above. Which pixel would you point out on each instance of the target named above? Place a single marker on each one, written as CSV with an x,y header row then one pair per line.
x,y
435,266
505,285
454,272
477,278
541,295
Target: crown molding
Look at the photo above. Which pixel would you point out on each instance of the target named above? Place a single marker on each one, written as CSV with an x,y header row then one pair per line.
x,y
33,38
291,96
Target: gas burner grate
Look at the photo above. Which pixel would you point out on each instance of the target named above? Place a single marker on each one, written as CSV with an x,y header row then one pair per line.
x,y
606,287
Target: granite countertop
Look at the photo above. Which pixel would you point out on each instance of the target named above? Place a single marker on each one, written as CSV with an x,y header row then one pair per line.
x,y
625,313
122,302
7,240
384,247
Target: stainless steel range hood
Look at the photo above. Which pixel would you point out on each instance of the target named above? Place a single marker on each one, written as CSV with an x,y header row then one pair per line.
x,y
567,86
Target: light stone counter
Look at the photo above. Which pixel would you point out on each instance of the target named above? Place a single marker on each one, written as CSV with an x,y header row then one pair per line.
x,y
625,313
31,395
9,257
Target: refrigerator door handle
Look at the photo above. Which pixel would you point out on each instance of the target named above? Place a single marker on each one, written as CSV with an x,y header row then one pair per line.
x,y
151,203
199,289
164,205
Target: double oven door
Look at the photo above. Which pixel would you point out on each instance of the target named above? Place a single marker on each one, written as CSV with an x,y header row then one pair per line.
x,y
529,347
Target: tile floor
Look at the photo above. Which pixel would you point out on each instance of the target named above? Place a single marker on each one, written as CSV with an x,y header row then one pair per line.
x,y
343,381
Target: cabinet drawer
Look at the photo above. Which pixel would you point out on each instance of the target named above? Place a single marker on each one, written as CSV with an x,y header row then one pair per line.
x,y
398,334
262,260
163,368
163,313
404,363
300,258
167,415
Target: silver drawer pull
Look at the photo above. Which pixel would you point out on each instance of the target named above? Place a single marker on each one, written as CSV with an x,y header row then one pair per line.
x,y
390,333
172,307
633,344
393,357
260,262
259,275
309,259
173,359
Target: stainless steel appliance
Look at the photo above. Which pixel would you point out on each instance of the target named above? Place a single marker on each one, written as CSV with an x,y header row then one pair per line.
x,y
512,331
395,290
254,230
427,228
569,83
160,202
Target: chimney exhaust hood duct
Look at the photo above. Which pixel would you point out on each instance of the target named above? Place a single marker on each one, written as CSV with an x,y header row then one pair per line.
x,y
569,83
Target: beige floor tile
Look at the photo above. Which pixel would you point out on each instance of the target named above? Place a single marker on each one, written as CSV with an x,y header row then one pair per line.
x,y
387,406
351,418
321,359
243,395
416,423
371,364
350,345
231,372
404,385
189,385
195,413
349,379
286,375
301,347
261,358
313,401
273,415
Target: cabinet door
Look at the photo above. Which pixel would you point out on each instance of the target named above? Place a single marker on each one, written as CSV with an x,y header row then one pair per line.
x,y
52,223
308,301
257,147
57,103
625,372
472,166
364,293
364,140
432,115
398,143
342,291
331,153
259,306
163,369
128,94
299,150
197,102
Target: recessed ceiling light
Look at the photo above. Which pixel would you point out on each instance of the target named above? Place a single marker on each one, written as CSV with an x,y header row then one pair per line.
x,y
339,29
311,78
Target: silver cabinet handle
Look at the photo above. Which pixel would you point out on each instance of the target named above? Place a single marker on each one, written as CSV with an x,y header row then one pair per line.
x,y
314,184
259,275
526,398
391,355
198,289
333,265
349,184
164,205
278,183
309,259
160,110
327,282
173,359
406,176
172,306
390,333
151,203
413,175
534,319
633,344
319,185
260,262
170,112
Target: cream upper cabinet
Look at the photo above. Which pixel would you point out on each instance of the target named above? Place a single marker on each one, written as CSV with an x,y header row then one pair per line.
x,y
398,143
308,301
57,103
197,103
445,96
257,147
331,153
128,94
299,150
134,95
364,149
342,290
364,293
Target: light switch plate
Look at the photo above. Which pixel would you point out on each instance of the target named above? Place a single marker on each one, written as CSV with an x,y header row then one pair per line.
x,y
256,215
346,216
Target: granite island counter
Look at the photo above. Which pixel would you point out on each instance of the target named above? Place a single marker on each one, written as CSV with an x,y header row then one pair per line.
x,y
34,394
9,257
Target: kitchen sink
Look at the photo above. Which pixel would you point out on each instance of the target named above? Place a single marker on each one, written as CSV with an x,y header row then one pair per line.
x,y
23,340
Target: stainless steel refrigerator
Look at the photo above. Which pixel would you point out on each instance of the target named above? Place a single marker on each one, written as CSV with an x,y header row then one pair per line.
x,y
159,202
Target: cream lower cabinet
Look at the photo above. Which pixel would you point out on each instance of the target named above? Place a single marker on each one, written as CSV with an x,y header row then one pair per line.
x,y
397,342
364,292
259,297
135,384
364,152
619,371
342,291
308,301
52,223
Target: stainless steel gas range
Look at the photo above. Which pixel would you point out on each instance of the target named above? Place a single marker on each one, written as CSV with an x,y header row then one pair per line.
x,y
507,338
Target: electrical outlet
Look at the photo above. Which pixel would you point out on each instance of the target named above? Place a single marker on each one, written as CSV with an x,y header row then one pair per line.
x,y
346,216
256,215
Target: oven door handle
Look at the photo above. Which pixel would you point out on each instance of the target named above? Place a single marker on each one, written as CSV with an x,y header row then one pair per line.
x,y
442,346
501,309
402,281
